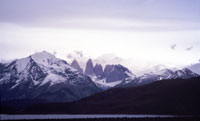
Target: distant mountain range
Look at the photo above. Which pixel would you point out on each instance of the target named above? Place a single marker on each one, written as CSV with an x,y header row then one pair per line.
x,y
120,76
110,76
42,76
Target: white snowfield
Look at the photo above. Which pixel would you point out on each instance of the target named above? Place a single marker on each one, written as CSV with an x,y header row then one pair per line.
x,y
53,79
46,59
22,63
101,83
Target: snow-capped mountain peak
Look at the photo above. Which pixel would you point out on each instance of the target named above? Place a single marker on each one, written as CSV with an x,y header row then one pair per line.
x,y
75,65
22,63
46,59
43,71
43,56
184,73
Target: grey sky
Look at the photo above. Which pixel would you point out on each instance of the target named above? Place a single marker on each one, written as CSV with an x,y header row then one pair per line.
x,y
173,46
189,48
140,30
46,12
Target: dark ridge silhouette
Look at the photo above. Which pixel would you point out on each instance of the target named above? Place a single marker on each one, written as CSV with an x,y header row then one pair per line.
x,y
178,96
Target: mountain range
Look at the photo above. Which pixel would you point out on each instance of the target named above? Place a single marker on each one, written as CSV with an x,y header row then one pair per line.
x,y
120,76
42,76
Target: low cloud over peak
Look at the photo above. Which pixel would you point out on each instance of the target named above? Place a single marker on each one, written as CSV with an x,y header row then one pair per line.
x,y
173,47
189,48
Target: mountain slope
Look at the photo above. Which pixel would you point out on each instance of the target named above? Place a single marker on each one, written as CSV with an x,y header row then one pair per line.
x,y
43,76
89,70
75,65
177,96
110,76
120,76
166,74
195,68
115,75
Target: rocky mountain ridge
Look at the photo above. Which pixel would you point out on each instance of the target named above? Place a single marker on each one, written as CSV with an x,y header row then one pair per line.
x,y
43,76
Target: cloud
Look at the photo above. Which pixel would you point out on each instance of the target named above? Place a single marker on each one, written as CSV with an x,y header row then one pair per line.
x,y
69,56
189,48
109,58
75,55
173,46
5,61
54,52
99,14
79,53
80,56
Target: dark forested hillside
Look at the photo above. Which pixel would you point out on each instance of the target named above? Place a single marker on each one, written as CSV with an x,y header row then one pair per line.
x,y
179,96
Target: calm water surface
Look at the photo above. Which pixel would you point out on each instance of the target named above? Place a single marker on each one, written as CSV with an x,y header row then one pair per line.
x,y
57,116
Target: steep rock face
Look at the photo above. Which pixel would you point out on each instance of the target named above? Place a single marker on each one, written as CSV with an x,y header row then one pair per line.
x,y
108,70
98,70
111,76
43,76
89,68
1,69
75,65
116,72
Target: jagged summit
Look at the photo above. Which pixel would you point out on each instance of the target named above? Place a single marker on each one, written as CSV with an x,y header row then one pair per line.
x,y
98,70
89,70
111,76
45,58
75,65
118,73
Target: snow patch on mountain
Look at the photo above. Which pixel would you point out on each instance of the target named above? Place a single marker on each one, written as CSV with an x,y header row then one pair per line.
x,y
21,64
131,76
45,59
101,83
53,79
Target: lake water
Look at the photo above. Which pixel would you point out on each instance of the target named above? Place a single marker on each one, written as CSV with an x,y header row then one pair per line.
x,y
57,116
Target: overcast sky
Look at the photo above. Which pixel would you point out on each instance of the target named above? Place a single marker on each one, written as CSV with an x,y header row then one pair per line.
x,y
143,31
